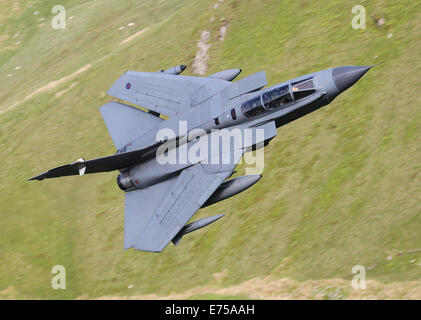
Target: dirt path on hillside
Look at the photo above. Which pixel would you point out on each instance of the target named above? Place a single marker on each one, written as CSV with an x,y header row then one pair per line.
x,y
134,36
49,86
54,84
201,59
284,289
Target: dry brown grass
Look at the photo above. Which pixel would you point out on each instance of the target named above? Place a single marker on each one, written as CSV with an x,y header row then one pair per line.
x,y
287,289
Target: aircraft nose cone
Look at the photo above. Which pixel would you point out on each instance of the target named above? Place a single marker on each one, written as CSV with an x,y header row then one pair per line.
x,y
345,77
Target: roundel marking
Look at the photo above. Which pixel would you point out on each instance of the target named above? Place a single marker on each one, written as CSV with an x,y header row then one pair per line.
x,y
128,85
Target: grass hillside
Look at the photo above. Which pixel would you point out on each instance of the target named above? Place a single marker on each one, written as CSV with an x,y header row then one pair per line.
x,y
341,187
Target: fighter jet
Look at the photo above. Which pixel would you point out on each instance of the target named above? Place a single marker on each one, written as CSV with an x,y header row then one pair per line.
x,y
161,197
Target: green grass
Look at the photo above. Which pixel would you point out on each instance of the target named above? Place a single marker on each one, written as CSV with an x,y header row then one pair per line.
x,y
211,296
341,186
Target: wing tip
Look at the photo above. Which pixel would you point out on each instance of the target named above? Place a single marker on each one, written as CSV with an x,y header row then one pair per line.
x,y
142,247
151,247
38,177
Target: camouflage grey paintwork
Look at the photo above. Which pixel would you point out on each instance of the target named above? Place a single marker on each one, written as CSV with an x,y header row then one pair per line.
x,y
161,199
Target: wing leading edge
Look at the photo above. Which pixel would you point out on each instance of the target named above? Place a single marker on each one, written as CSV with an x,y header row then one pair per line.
x,y
164,93
175,94
109,163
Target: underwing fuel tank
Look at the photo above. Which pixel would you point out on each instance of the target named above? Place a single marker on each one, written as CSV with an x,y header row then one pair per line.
x,y
174,70
199,224
231,188
227,75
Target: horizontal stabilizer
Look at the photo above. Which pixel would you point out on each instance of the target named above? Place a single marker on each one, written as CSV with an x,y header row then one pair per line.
x,y
190,190
125,123
141,206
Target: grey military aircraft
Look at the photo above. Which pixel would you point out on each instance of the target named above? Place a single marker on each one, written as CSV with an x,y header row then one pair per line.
x,y
160,199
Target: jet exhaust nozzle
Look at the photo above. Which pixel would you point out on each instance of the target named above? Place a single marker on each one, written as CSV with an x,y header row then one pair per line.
x,y
199,224
124,182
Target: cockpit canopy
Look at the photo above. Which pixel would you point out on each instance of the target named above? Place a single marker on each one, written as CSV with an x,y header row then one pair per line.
x,y
278,98
269,100
303,88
